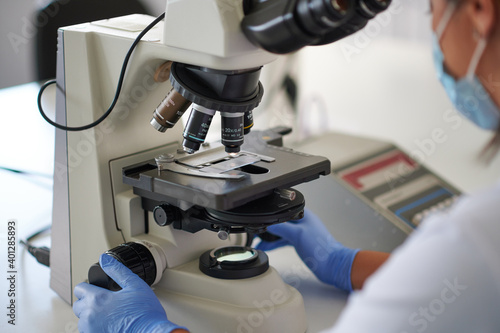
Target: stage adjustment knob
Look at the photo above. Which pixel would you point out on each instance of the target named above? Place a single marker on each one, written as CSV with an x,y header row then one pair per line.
x,y
165,215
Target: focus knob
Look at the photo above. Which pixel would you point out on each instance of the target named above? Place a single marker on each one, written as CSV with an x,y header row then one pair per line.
x,y
135,256
165,214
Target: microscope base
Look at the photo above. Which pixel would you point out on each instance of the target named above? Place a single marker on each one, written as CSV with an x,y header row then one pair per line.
x,y
255,305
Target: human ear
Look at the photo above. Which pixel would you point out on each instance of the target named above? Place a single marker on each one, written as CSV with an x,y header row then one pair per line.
x,y
482,14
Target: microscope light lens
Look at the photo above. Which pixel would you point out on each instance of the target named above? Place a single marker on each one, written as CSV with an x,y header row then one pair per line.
x,y
234,262
241,255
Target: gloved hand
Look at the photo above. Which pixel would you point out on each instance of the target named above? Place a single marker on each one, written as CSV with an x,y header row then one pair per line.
x,y
135,308
329,260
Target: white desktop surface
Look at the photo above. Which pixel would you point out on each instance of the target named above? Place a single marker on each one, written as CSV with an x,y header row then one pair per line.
x,y
27,143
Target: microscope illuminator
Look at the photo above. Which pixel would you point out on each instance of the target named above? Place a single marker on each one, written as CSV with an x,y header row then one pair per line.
x,y
234,262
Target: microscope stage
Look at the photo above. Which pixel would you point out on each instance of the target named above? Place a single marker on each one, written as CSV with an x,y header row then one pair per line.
x,y
212,179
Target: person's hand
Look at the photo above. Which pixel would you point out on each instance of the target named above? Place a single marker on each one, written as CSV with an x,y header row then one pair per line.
x,y
134,308
329,260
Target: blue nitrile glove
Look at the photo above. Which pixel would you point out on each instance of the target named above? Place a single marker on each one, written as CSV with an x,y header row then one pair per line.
x,y
135,308
329,260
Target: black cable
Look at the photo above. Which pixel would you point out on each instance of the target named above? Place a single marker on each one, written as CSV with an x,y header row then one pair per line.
x,y
41,253
39,232
118,88
26,173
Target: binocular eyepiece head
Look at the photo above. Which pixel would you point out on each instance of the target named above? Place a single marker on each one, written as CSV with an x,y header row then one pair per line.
x,y
286,26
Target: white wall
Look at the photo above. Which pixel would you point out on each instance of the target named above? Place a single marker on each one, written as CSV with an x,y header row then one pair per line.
x,y
383,63
381,83
16,38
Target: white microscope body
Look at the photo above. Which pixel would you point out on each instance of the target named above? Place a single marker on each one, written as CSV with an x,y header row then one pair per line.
x,y
95,211
114,180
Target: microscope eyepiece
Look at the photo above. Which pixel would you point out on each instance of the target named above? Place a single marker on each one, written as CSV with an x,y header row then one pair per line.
x,y
375,6
319,16
286,26
340,5
365,10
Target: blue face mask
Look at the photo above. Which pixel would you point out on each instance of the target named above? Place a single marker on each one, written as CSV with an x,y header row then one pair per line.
x,y
468,95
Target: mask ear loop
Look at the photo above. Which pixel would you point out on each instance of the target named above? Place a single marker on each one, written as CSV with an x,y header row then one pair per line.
x,y
476,57
448,13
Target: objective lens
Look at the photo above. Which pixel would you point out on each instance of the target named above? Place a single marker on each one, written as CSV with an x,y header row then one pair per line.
x,y
232,131
197,127
248,122
170,110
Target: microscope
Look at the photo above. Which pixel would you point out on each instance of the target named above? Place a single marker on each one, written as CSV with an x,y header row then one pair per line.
x,y
178,211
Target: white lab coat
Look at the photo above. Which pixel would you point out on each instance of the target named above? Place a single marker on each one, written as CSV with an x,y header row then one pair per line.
x,y
444,278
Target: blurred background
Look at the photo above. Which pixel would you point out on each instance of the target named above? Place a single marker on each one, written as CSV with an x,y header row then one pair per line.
x,y
18,25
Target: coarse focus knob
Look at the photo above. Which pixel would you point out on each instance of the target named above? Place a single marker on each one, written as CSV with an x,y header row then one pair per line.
x,y
165,214
135,256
